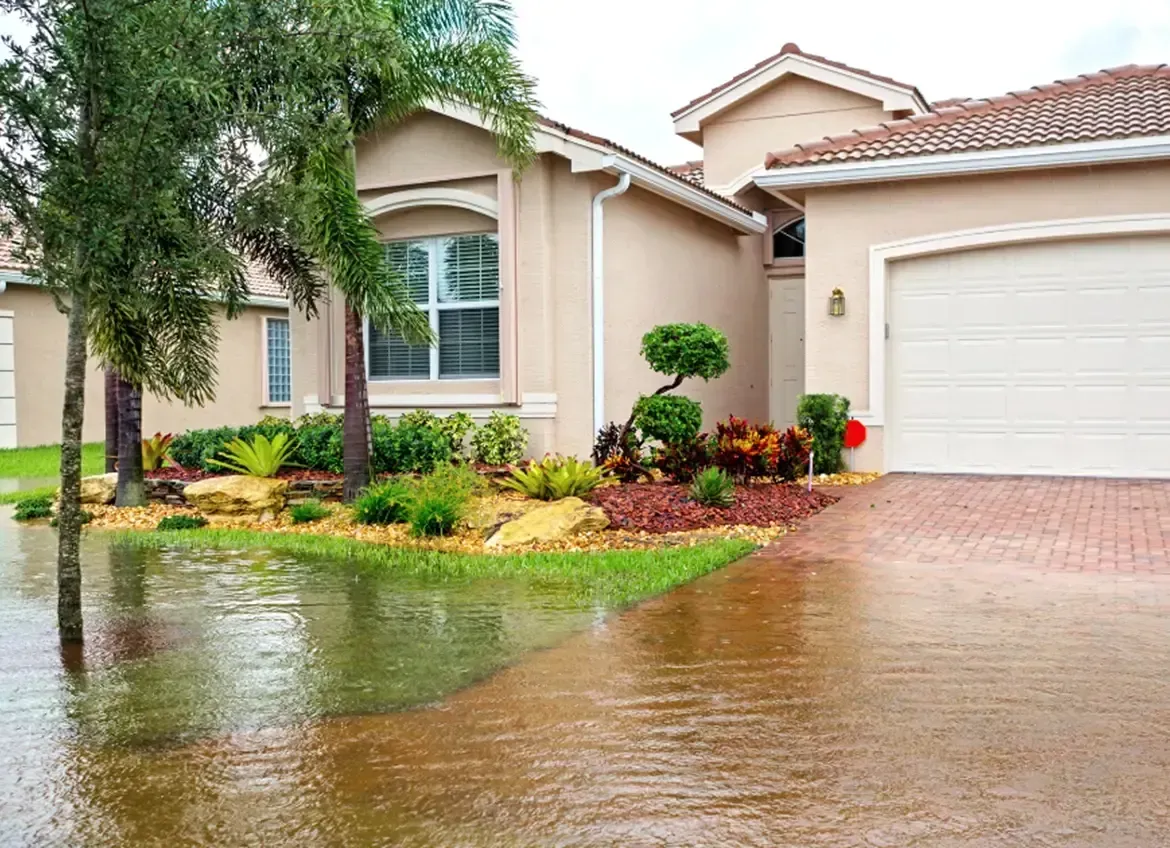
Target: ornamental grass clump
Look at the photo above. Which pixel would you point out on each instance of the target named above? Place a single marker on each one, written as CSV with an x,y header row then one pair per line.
x,y
182,522
713,487
387,502
308,512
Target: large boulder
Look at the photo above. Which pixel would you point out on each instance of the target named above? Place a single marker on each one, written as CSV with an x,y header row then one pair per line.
x,y
237,496
559,520
99,489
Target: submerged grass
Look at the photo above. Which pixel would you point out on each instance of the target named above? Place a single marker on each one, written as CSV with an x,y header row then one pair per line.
x,y
616,578
26,494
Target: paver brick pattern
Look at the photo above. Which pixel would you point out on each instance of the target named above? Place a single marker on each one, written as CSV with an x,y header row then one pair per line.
x,y
1056,523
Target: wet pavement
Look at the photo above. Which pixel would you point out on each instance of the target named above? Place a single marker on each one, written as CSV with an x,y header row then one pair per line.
x,y
839,689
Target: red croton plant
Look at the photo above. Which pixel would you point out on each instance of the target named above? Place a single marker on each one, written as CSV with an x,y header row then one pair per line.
x,y
746,450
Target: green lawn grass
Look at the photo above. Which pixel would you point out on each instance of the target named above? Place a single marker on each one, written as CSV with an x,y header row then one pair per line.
x,y
44,461
614,578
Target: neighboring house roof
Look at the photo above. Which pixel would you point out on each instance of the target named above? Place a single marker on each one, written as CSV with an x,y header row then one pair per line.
x,y
1127,102
790,49
260,284
692,172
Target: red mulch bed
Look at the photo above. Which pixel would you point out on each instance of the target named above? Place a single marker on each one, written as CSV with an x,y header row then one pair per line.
x,y
666,507
190,475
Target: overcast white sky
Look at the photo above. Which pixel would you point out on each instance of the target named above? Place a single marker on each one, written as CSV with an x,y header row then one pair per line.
x,y
617,68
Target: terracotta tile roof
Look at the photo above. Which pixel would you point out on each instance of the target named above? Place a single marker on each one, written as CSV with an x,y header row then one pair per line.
x,y
1124,102
625,151
692,172
259,283
792,49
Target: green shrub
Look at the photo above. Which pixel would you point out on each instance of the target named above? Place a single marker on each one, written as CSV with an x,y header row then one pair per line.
x,y
501,440
319,419
668,418
182,522
408,449
86,517
192,448
456,427
387,502
320,447
419,418
713,487
260,457
555,477
308,512
825,417
682,460
28,509
686,350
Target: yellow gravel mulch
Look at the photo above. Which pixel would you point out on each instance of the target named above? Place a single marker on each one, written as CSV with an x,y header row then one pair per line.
x,y
846,478
487,513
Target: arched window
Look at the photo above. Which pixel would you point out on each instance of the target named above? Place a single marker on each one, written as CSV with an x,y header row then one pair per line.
x,y
788,240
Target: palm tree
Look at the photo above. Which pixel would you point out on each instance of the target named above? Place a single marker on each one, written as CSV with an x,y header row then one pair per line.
x,y
392,58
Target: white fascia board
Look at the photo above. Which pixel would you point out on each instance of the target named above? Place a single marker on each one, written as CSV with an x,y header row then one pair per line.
x,y
892,97
586,156
270,302
15,277
1111,151
685,195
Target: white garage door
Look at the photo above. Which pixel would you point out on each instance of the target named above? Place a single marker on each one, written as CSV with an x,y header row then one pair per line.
x,y
1048,358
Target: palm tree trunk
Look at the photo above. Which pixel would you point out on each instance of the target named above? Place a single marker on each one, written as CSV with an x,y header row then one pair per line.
x,y
111,378
131,485
69,621
356,432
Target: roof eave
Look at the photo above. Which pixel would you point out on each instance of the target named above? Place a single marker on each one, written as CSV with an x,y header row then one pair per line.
x,y
893,97
1109,151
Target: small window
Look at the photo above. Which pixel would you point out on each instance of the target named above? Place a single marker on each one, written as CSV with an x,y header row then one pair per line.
x,y
456,281
788,240
278,360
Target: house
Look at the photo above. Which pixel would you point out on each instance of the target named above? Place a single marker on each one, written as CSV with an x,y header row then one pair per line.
x,y
254,366
988,281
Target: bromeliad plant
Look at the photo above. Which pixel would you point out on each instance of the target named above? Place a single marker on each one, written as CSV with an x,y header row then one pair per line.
x,y
261,458
156,450
713,487
555,477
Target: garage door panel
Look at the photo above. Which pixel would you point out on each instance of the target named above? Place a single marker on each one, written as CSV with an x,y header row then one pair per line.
x,y
1047,358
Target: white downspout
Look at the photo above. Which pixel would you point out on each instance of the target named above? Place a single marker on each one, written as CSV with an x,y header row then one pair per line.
x,y
597,266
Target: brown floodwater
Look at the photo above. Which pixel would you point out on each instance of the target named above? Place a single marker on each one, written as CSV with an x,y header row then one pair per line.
x,y
825,704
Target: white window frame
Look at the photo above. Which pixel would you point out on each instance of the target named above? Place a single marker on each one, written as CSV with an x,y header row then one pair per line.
x,y
266,385
433,307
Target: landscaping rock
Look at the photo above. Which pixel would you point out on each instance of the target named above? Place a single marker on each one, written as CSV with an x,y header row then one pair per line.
x,y
237,496
99,489
558,520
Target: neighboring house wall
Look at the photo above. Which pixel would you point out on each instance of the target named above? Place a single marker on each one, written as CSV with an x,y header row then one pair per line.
x,y
39,332
843,223
666,264
793,110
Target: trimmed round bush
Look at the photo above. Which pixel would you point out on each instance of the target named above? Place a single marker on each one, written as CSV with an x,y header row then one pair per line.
x,y
668,418
686,350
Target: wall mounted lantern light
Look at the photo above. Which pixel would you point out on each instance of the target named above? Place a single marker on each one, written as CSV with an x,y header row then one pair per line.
x,y
837,303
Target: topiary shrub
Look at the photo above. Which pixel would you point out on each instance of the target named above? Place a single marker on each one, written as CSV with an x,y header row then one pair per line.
x,y
668,418
825,417
501,440
681,351
29,509
182,522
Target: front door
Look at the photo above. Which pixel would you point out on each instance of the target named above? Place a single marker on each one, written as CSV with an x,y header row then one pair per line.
x,y
785,348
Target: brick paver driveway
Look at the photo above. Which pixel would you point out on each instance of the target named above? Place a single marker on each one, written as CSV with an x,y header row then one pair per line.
x,y
1074,524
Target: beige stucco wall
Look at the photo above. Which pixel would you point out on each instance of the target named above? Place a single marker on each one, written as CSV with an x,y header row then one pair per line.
x,y
666,264
663,264
791,111
39,333
844,222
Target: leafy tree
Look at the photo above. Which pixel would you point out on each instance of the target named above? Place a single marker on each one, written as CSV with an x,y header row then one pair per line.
x,y
126,175
376,63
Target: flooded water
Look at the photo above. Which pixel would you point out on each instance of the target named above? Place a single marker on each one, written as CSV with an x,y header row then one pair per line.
x,y
230,702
